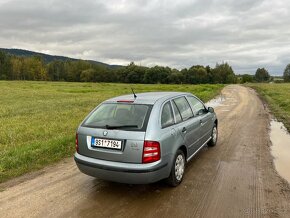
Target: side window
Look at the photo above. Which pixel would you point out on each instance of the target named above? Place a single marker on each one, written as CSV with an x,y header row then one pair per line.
x,y
184,108
167,116
176,113
197,107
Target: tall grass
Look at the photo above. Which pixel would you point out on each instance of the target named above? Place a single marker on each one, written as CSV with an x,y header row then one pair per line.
x,y
38,119
278,98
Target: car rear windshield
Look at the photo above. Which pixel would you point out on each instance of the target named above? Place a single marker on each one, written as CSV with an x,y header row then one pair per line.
x,y
124,116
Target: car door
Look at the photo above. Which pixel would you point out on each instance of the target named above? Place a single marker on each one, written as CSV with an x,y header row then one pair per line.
x,y
189,125
203,116
168,134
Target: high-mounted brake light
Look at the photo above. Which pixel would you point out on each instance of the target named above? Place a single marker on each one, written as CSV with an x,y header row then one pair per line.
x,y
151,152
125,101
77,143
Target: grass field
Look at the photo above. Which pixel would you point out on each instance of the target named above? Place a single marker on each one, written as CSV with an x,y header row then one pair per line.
x,y
278,98
38,119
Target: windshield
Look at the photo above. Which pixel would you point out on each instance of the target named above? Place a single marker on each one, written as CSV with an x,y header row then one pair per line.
x,y
119,116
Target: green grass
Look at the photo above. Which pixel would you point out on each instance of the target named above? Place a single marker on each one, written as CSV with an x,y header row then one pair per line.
x,y
278,98
38,119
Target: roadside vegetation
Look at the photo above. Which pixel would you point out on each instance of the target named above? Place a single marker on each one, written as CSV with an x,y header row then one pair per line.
x,y
278,98
38,119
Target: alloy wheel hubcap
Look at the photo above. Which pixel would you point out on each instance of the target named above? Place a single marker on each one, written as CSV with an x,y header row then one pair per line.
x,y
179,167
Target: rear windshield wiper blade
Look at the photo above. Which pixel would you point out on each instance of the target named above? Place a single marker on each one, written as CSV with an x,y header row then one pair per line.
x,y
121,126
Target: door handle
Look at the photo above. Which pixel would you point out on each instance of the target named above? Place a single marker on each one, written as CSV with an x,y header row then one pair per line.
x,y
184,130
201,123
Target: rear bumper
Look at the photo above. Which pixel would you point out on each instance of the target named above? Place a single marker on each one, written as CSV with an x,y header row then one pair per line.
x,y
123,172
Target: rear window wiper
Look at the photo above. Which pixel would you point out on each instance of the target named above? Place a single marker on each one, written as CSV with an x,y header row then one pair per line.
x,y
121,126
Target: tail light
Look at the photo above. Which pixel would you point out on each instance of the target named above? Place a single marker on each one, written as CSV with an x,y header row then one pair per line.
x,y
77,143
151,152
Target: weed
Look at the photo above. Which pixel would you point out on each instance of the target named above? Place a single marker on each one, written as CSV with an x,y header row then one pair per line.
x,y
278,98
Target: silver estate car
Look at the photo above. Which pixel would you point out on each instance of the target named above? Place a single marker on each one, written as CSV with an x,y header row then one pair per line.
x,y
144,138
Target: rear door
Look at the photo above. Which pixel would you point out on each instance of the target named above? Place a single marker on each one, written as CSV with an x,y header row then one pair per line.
x,y
203,116
115,132
131,144
189,126
168,134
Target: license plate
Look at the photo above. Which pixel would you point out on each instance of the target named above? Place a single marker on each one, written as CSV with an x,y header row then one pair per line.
x,y
106,143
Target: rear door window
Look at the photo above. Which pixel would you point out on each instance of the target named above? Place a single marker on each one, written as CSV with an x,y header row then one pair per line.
x,y
176,113
183,107
167,118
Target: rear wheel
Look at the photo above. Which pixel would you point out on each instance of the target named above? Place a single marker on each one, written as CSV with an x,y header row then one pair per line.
x,y
214,136
177,169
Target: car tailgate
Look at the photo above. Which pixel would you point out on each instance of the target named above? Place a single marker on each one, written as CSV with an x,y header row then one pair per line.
x,y
131,144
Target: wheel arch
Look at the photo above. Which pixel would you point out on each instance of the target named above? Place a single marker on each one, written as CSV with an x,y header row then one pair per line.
x,y
184,150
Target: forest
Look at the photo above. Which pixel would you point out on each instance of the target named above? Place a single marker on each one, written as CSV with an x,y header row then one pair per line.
x,y
13,67
35,68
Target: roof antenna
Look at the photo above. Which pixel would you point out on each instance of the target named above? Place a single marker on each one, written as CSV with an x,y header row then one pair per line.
x,y
135,96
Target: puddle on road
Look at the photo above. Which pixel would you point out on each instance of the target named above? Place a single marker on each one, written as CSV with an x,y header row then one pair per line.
x,y
216,101
280,148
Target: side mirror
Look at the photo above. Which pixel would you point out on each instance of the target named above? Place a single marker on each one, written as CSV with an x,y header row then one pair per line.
x,y
210,109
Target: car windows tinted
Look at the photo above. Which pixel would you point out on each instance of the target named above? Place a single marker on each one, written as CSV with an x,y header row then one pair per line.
x,y
183,107
176,113
119,114
197,107
166,115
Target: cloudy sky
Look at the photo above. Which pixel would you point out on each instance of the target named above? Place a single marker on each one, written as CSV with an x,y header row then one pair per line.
x,y
247,33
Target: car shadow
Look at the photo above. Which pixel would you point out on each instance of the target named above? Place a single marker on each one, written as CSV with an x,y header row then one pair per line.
x,y
107,199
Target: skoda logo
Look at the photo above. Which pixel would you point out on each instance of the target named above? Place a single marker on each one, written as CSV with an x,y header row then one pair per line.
x,y
105,133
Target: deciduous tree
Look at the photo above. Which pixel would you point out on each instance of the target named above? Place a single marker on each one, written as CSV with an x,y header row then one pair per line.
x,y
286,74
262,75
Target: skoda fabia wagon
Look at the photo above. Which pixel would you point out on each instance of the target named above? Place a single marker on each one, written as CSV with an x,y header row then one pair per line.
x,y
144,138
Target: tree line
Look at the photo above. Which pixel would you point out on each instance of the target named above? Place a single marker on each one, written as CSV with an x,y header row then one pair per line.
x,y
262,75
34,68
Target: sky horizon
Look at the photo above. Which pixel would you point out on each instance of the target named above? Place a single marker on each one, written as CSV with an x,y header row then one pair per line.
x,y
246,34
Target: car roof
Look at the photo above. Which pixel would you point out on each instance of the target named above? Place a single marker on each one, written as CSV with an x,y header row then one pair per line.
x,y
147,97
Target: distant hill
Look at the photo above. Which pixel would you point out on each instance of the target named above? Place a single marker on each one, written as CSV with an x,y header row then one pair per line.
x,y
49,58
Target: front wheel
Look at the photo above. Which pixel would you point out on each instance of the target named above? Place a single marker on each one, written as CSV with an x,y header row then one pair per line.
x,y
214,136
177,169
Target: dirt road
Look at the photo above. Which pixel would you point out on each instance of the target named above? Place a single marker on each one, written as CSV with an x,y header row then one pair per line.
x,y
234,179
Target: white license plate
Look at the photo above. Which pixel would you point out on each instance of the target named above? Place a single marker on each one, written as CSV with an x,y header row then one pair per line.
x,y
106,143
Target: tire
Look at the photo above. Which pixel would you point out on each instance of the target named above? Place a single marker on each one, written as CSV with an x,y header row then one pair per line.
x,y
177,169
214,137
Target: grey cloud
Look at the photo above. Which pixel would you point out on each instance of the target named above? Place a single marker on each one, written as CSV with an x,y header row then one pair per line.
x,y
248,34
